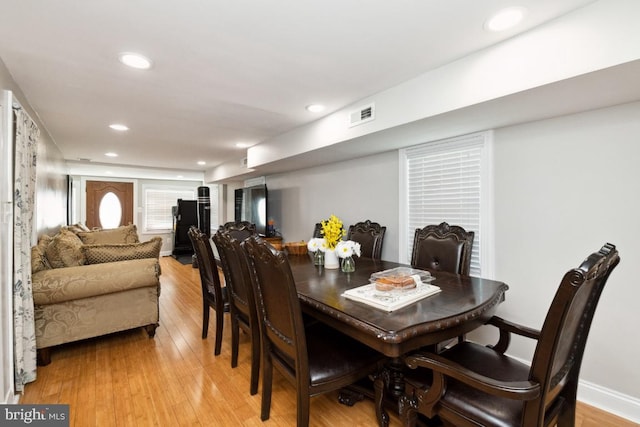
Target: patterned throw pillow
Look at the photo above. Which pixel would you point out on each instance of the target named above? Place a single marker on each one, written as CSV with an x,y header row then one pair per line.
x,y
98,254
38,258
123,234
77,228
65,250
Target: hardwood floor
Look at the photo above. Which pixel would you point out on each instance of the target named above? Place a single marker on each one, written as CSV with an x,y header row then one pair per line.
x,y
127,379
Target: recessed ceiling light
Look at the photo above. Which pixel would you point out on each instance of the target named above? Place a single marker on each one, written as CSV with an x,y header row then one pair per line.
x,y
315,108
505,19
202,163
111,154
119,127
243,144
135,60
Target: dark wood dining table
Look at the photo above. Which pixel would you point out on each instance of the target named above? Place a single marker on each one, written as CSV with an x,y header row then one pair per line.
x,y
464,304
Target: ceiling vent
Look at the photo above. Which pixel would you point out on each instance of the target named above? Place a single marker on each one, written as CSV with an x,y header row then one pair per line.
x,y
362,115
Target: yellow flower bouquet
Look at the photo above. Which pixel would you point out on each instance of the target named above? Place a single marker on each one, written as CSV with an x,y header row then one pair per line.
x,y
332,231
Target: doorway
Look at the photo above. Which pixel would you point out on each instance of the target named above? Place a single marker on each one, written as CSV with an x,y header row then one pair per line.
x,y
109,204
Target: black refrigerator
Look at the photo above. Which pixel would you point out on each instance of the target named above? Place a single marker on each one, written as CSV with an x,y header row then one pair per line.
x,y
185,214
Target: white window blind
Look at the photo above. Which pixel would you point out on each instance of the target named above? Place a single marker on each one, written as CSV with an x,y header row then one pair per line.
x,y
443,182
157,207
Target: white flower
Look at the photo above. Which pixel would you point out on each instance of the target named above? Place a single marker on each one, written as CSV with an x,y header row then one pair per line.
x,y
317,243
347,248
356,248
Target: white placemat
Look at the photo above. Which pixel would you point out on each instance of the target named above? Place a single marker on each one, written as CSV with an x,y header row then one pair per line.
x,y
390,300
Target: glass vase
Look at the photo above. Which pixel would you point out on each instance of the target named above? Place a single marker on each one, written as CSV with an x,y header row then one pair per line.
x,y
348,265
318,257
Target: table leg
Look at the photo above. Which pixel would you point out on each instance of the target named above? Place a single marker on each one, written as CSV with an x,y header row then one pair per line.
x,y
388,385
380,383
395,385
388,391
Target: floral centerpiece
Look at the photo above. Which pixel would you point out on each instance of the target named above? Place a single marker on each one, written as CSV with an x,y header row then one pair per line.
x,y
346,249
330,246
317,245
332,231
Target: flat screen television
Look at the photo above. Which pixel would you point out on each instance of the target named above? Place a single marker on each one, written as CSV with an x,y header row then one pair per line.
x,y
251,205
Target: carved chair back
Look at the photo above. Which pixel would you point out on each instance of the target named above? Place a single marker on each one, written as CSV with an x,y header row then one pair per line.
x,y
317,230
443,247
239,229
370,235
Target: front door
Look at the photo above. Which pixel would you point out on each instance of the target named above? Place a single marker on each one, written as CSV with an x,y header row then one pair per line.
x,y
109,204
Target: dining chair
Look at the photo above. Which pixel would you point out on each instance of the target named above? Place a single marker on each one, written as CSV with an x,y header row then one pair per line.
x,y
317,230
213,294
370,235
314,357
443,247
470,384
239,229
242,305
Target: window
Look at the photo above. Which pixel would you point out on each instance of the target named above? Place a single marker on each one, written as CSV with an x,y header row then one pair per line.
x,y
110,211
158,202
449,180
158,216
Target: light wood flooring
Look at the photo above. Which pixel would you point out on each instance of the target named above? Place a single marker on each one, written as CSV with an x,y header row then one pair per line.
x,y
127,379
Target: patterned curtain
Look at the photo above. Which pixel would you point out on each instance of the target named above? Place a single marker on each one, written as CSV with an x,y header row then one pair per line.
x,y
26,148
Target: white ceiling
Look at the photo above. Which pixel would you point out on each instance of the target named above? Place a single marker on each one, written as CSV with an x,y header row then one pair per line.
x,y
225,72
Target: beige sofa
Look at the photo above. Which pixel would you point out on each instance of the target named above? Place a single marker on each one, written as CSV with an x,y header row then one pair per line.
x,y
91,283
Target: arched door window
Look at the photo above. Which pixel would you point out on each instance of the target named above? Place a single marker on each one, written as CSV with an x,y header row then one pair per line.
x,y
110,211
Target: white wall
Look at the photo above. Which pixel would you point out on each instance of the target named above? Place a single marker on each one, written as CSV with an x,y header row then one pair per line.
x,y
355,190
51,193
563,187
138,201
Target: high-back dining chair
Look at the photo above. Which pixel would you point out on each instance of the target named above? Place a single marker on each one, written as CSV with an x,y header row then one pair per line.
x,y
242,305
370,235
314,357
213,295
239,229
317,230
470,384
443,247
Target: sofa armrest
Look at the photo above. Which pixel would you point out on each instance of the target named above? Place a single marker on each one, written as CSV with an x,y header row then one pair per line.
x,y
72,283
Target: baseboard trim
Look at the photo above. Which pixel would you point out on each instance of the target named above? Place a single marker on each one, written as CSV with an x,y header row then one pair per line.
x,y
11,398
604,398
609,400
